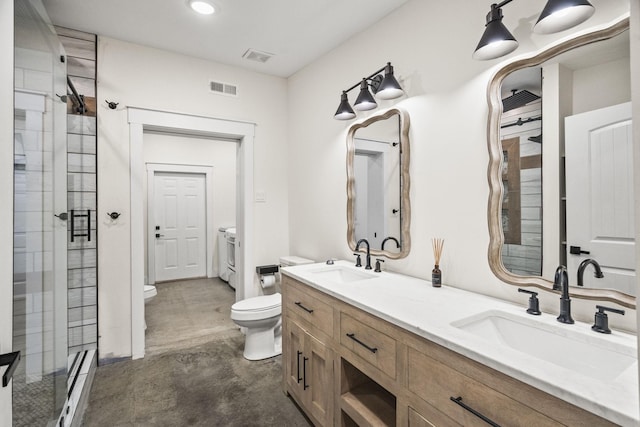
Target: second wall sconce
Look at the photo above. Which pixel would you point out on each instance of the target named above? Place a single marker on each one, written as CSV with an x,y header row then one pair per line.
x,y
557,15
386,87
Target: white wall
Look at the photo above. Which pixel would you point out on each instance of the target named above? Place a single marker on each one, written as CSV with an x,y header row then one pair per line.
x,y
137,76
635,102
6,195
446,98
221,155
588,92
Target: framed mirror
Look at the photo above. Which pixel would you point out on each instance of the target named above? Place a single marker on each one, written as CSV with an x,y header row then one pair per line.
x,y
378,206
538,173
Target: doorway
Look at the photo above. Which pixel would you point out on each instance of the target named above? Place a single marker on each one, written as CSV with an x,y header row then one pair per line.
x,y
143,120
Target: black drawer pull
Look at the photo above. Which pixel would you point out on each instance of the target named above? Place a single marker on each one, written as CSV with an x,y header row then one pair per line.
x,y
371,349
304,373
298,377
458,401
299,304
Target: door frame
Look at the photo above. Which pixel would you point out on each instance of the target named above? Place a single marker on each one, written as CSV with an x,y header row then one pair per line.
x,y
141,119
152,169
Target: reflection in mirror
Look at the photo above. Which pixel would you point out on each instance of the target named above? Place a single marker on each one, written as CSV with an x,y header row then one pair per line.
x,y
521,138
378,207
549,140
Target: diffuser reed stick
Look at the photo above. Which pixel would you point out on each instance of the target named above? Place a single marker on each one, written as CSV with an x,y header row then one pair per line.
x,y
436,274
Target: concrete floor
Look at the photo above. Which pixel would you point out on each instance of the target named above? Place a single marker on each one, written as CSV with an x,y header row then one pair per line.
x,y
193,373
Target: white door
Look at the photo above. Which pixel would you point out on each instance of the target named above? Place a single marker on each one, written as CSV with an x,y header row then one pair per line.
x,y
180,212
599,171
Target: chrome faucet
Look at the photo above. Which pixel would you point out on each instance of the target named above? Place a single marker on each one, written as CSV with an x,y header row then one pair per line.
x,y
561,283
390,238
368,266
583,265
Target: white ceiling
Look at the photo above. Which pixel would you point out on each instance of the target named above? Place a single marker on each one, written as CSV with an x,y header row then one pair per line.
x,y
295,31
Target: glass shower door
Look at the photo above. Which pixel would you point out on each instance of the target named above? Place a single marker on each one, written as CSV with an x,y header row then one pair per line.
x,y
40,210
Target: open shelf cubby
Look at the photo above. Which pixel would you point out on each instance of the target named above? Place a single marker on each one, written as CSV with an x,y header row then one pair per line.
x,y
363,401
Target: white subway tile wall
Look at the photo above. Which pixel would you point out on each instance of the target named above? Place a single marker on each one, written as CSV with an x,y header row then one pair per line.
x,y
82,314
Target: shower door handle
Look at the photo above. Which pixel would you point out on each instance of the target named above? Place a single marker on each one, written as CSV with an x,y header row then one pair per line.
x,y
12,360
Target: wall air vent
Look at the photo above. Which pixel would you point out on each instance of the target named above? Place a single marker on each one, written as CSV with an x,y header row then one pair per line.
x,y
256,55
223,88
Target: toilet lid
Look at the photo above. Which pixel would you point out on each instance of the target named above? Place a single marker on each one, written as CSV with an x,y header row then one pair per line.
x,y
258,303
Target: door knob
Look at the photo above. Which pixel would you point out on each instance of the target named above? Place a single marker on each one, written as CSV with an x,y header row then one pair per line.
x,y
158,235
63,216
576,250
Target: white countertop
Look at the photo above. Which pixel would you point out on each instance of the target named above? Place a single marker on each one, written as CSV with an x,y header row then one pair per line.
x,y
416,306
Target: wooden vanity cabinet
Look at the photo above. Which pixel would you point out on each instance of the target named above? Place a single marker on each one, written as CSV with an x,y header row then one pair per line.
x,y
346,367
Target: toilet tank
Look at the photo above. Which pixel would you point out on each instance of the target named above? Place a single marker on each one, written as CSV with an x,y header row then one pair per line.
x,y
290,260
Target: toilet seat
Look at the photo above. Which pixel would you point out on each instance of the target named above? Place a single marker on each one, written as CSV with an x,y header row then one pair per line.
x,y
256,308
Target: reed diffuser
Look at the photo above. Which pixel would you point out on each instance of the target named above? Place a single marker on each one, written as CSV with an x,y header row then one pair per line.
x,y
436,274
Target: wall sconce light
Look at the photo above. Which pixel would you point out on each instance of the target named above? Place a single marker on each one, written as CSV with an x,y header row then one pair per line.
x,y
386,87
557,15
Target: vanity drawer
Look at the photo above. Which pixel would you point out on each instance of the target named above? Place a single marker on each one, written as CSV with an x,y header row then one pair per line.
x,y
437,383
369,343
302,304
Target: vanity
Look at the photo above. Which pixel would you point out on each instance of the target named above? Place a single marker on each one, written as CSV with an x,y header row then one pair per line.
x,y
384,349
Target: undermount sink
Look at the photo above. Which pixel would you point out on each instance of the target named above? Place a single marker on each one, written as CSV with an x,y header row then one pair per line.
x,y
585,352
340,274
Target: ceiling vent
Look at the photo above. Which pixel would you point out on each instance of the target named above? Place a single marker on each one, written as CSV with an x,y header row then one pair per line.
x,y
223,88
256,55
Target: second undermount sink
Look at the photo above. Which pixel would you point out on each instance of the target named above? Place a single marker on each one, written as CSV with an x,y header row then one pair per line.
x,y
340,274
584,352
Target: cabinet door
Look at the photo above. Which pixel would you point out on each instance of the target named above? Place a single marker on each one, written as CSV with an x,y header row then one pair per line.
x,y
309,373
294,359
318,379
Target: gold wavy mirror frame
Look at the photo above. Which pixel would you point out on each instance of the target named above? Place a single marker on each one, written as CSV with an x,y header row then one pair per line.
x,y
400,206
495,169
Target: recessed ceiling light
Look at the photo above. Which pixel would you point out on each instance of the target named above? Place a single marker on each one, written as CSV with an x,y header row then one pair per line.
x,y
201,6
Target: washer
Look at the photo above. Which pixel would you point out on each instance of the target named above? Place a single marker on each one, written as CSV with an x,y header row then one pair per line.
x,y
230,236
223,270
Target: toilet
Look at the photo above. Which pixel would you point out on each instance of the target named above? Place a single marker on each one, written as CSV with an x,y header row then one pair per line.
x,y
261,316
150,291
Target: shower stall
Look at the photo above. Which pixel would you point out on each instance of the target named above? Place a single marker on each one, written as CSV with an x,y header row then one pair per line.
x,y
40,232
50,240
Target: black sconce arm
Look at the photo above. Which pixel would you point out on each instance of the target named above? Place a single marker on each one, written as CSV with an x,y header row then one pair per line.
x,y
376,81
